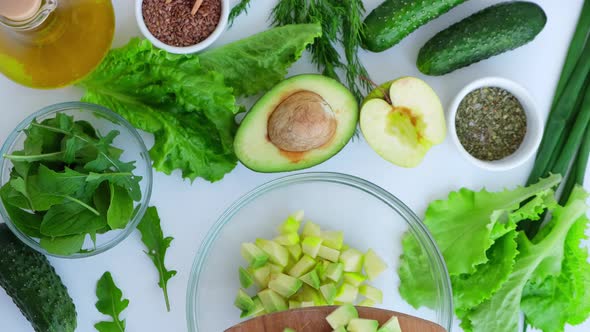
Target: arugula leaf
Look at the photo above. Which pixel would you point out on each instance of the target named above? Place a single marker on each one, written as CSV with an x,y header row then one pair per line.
x,y
128,181
156,244
70,218
26,222
535,261
120,208
111,303
484,216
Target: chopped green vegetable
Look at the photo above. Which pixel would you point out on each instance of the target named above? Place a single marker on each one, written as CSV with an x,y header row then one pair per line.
x,y
311,246
346,293
111,303
373,265
188,102
237,10
362,325
329,292
285,285
243,301
246,279
157,245
253,255
312,279
341,316
303,266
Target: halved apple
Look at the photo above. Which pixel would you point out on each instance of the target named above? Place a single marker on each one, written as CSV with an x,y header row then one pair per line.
x,y
404,124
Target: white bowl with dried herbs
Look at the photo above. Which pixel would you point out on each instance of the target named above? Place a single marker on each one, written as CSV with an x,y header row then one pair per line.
x,y
495,124
182,26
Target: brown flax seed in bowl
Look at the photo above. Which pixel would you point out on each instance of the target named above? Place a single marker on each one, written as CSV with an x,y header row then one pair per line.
x,y
173,24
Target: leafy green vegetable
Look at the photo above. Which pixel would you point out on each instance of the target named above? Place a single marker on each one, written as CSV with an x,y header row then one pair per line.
x,y
189,102
56,192
341,22
156,244
548,277
111,303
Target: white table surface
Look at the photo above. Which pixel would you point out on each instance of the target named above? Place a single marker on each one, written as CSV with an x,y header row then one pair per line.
x,y
189,210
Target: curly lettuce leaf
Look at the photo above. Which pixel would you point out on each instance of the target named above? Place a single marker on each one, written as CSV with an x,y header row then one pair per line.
x,y
466,224
257,63
535,261
562,299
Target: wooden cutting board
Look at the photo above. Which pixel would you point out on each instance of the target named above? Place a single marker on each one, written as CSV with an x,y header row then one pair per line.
x,y
314,320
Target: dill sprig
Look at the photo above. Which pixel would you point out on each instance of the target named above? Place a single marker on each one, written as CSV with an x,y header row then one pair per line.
x,y
237,10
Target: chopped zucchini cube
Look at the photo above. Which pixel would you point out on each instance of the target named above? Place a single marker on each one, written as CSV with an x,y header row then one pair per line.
x,y
295,251
255,256
311,246
371,293
352,260
311,229
362,325
277,254
246,279
329,292
311,278
354,278
272,301
373,265
285,285
367,303
243,301
346,293
334,271
292,223
333,239
342,316
328,253
392,325
261,275
256,311
287,239
304,265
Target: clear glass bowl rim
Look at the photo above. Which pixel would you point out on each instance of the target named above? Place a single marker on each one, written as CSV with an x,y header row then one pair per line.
x,y
418,229
60,107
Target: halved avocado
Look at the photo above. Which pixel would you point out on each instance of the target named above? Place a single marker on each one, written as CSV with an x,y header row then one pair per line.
x,y
301,122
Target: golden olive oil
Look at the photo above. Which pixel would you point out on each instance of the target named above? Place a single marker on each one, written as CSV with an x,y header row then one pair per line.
x,y
69,43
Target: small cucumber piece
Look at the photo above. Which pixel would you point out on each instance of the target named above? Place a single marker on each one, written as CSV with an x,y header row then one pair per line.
x,y
332,239
371,293
492,31
31,282
277,254
352,260
342,316
304,265
311,229
367,303
373,265
311,246
311,278
328,253
392,325
353,278
253,255
292,224
295,251
329,292
246,279
393,20
243,301
272,301
261,275
288,239
334,271
256,311
346,293
285,285
362,325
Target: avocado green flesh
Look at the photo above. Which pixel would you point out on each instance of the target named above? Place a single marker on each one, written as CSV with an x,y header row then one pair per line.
x,y
257,152
492,31
393,20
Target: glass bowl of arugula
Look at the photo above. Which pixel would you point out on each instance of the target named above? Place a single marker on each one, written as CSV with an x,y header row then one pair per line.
x,y
339,211
75,178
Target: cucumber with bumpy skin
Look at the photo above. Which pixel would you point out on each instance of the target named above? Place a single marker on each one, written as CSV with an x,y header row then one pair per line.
x,y
492,31
31,282
393,20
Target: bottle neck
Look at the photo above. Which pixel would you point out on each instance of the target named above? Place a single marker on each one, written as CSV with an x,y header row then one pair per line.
x,y
47,7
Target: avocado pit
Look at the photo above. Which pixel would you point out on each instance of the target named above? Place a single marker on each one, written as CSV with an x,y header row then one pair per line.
x,y
302,122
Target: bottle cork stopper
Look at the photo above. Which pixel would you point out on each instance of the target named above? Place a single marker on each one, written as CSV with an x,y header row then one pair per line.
x,y
19,10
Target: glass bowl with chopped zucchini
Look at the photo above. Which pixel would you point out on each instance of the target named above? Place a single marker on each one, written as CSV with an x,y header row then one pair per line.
x,y
314,239
75,178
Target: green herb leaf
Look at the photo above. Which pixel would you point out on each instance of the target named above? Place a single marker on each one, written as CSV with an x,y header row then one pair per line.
x,y
127,181
111,303
70,218
63,245
120,208
157,245
49,188
26,222
237,10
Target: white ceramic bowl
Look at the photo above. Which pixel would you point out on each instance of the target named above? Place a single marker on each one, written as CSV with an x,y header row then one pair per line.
x,y
535,125
221,26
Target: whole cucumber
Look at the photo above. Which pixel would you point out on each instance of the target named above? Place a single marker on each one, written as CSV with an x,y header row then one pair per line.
x,y
492,31
393,20
35,288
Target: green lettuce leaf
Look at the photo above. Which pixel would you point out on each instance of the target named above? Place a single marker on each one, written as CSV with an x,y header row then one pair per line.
x,y
535,261
189,101
257,63
562,299
466,224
